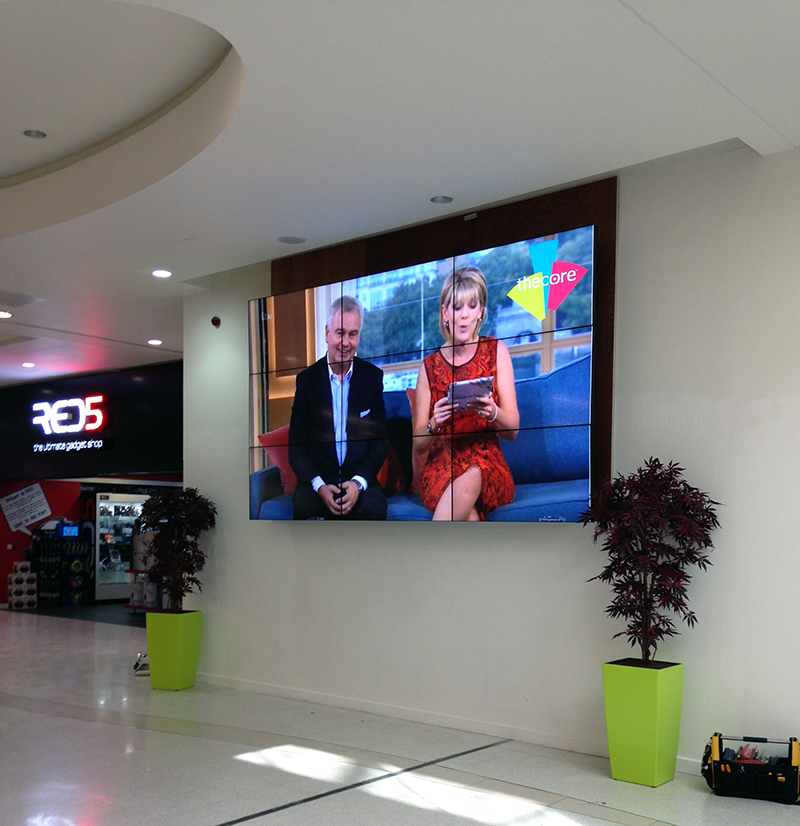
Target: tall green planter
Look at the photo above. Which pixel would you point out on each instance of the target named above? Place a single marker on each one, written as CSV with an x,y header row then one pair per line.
x,y
173,648
643,719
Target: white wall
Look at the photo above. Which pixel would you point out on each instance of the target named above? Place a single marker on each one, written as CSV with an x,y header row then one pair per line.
x,y
494,628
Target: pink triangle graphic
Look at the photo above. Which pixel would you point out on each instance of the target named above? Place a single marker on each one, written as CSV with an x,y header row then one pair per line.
x,y
563,281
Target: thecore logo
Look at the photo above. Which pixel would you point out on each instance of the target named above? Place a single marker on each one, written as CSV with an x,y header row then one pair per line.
x,y
69,415
551,282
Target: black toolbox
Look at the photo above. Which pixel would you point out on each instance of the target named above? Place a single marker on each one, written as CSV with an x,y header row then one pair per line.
x,y
747,767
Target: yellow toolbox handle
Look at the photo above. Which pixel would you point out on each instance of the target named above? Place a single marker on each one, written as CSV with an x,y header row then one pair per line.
x,y
716,747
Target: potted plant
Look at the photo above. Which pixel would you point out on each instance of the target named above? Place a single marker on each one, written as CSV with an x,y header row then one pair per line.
x,y
655,526
174,520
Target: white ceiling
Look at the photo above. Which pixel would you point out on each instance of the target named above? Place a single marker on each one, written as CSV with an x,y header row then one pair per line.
x,y
328,119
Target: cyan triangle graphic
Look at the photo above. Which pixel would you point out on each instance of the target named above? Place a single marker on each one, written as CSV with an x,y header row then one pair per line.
x,y
543,256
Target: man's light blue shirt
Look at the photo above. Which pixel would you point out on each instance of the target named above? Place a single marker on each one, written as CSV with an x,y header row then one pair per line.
x,y
340,395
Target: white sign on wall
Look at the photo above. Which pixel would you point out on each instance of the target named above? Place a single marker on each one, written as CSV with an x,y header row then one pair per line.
x,y
25,507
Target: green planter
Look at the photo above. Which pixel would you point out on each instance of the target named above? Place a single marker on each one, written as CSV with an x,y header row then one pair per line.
x,y
643,719
173,648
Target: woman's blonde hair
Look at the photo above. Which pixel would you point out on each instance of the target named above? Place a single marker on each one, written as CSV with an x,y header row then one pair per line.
x,y
463,284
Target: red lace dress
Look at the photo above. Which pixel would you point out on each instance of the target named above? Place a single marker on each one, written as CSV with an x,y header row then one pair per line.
x,y
473,442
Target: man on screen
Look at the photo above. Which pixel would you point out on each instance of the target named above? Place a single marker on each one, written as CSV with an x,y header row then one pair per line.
x,y
337,433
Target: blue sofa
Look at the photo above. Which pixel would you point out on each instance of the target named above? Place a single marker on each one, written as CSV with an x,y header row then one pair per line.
x,y
549,459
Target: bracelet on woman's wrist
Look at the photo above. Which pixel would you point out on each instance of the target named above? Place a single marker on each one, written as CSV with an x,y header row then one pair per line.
x,y
496,409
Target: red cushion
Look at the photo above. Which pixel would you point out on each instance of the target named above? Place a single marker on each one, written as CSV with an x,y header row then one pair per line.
x,y
276,446
390,476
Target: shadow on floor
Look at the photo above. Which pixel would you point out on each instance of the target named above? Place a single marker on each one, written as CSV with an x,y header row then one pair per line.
x,y
112,612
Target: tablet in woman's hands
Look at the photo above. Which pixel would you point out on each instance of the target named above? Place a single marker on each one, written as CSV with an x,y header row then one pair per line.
x,y
461,393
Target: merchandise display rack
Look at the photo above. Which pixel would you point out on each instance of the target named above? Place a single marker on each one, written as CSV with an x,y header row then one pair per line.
x,y
146,594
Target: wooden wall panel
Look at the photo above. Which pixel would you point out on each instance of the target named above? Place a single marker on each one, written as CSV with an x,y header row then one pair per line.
x,y
318,267
426,242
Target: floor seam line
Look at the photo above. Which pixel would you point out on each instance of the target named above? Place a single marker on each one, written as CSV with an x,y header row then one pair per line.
x,y
362,783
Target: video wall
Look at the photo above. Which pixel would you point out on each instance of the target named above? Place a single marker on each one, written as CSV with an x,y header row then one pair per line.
x,y
451,389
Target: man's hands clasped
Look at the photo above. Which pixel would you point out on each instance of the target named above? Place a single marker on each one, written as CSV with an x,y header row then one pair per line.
x,y
339,500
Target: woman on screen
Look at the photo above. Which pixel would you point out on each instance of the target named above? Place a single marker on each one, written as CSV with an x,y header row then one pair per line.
x,y
465,475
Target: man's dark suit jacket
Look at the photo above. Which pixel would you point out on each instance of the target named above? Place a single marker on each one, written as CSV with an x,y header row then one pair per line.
x,y
312,448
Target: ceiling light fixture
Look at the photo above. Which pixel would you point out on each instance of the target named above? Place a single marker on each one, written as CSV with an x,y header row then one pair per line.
x,y
441,199
155,342
5,314
291,239
28,364
34,133
162,273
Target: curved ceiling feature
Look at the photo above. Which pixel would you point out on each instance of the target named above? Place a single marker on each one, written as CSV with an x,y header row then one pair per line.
x,y
125,95
354,116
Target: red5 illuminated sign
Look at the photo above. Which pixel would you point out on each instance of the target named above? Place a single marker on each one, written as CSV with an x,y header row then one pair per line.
x,y
54,416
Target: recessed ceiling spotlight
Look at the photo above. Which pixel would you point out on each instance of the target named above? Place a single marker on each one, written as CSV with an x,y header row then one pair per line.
x,y
441,199
155,342
291,239
162,273
5,314
28,364
34,133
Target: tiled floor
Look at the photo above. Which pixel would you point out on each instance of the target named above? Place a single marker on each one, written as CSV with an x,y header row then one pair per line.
x,y
84,742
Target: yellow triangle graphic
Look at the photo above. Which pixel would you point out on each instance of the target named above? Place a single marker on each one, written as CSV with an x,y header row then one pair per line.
x,y
528,296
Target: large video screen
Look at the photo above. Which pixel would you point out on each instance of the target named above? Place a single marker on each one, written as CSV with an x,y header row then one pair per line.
x,y
451,390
